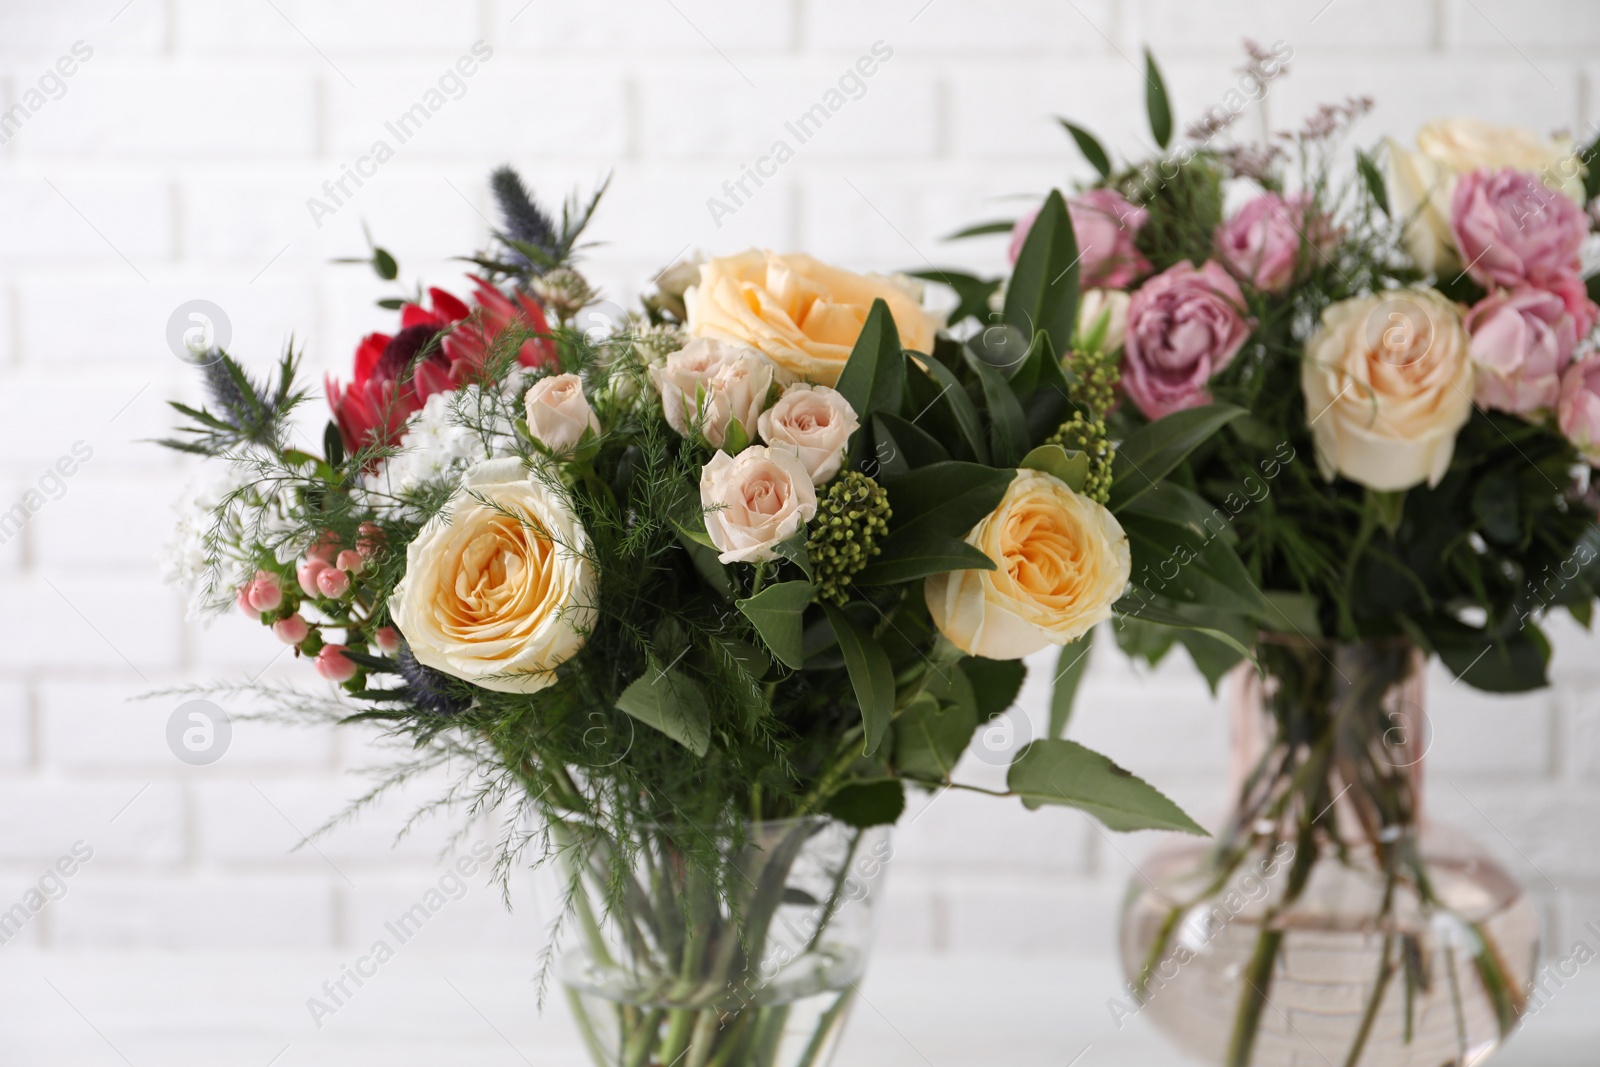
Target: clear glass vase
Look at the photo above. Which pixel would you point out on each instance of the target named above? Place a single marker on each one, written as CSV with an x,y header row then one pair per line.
x,y
746,954
1328,923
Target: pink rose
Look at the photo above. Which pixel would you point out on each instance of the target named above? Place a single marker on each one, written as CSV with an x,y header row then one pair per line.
x,y
1261,243
1521,342
1575,296
1512,229
1105,225
1578,407
1184,325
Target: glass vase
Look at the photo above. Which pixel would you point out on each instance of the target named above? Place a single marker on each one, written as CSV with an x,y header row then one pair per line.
x,y
745,954
1329,923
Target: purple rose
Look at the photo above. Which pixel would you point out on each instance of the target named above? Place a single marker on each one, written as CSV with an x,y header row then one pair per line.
x,y
1261,243
1521,342
1105,225
1512,229
1184,325
1578,407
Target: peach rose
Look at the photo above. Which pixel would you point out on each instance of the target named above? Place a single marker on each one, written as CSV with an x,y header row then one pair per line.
x,y
1061,561
1388,383
737,390
498,591
681,379
558,412
802,314
815,423
755,501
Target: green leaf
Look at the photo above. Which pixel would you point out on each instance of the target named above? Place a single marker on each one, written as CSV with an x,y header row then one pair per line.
x,y
672,703
794,550
1178,618
1055,771
1070,665
1591,175
1211,657
1156,102
972,293
736,440
1091,149
1043,291
1008,427
1070,467
871,675
930,736
1389,507
874,377
1175,504
1294,613
1514,664
1495,505
1374,181
995,683
706,563
1191,568
866,804
333,444
385,266
947,497
392,303
918,554
983,229
954,396
905,441
777,613
1152,451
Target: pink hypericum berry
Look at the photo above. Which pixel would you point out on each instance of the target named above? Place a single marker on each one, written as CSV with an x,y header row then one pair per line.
x,y
263,593
307,574
293,630
387,638
349,560
333,582
325,547
334,665
370,540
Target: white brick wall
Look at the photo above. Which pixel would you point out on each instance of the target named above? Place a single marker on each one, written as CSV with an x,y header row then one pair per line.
x,y
177,165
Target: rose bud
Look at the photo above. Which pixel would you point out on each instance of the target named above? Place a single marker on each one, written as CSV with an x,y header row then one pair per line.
x,y
387,638
325,547
370,540
334,665
293,630
350,560
333,582
308,573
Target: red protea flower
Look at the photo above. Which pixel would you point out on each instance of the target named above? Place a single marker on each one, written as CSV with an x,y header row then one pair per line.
x,y
374,407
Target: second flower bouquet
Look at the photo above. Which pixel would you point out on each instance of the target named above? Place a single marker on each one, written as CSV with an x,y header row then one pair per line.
x,y
692,601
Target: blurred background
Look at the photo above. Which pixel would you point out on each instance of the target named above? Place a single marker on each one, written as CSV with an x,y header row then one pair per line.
x,y
200,150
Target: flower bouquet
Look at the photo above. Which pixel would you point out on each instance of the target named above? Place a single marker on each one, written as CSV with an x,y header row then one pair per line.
x,y
1410,364
690,601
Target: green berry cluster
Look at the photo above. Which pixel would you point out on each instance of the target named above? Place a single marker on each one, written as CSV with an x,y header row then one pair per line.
x,y
1098,374
852,517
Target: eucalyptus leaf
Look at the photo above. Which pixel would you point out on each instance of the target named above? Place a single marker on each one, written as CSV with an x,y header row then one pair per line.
x,y
867,804
1056,771
930,737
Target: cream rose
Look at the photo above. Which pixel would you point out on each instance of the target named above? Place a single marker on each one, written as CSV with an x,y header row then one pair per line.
x,y
1061,561
558,412
681,379
815,423
737,390
1112,305
802,314
1388,382
1421,183
754,501
497,590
